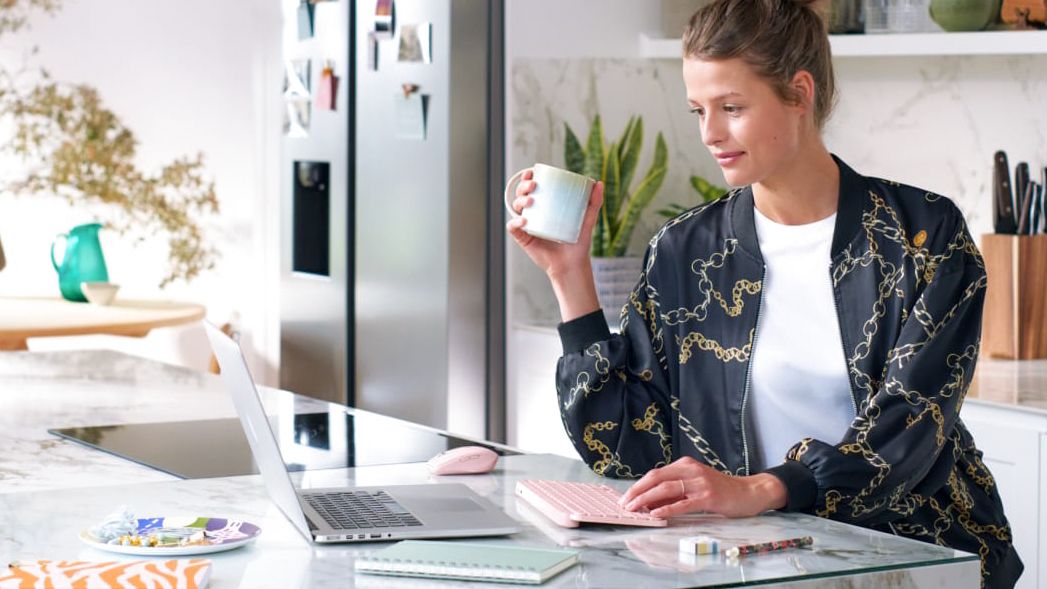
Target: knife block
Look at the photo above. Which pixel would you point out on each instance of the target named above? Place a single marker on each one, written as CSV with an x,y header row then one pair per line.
x,y
1014,322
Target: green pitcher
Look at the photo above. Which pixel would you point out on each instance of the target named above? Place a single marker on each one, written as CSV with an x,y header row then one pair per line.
x,y
82,261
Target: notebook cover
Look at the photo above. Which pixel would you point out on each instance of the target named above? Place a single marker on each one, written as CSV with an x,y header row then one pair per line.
x,y
469,561
190,573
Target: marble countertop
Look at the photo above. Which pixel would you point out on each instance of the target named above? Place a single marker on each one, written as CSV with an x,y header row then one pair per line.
x,y
46,524
51,489
43,390
1019,384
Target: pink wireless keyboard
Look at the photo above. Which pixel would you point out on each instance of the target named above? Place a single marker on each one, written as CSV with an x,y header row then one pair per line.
x,y
570,504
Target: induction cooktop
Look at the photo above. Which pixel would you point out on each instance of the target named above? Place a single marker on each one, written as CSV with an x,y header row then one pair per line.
x,y
308,441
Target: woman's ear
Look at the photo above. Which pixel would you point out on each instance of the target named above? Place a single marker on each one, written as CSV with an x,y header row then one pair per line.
x,y
802,86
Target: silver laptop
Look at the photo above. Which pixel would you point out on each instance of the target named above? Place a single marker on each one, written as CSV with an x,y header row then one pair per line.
x,y
351,514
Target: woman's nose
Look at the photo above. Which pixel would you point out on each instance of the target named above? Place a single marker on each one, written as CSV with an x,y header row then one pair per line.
x,y
713,131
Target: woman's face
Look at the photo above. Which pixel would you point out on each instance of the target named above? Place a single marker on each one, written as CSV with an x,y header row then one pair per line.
x,y
750,131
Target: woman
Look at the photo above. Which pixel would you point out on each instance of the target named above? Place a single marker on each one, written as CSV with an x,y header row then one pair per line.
x,y
803,343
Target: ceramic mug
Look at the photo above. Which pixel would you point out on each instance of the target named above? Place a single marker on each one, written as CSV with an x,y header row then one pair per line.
x,y
560,200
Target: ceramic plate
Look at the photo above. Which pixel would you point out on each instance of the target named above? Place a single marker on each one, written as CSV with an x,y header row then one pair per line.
x,y
225,534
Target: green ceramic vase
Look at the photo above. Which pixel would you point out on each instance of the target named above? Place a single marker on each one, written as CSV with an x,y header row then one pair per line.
x,y
82,261
964,15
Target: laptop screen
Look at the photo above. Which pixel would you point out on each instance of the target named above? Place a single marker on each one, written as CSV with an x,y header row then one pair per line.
x,y
259,431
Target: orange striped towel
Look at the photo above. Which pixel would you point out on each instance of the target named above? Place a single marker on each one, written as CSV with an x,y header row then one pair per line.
x,y
136,574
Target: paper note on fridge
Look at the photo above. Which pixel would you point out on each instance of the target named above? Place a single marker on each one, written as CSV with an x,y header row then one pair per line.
x,y
410,116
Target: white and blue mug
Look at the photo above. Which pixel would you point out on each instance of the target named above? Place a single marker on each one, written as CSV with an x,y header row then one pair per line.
x,y
560,199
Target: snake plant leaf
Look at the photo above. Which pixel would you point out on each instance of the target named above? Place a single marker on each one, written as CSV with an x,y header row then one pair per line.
x,y
594,151
623,144
700,184
708,191
625,135
633,141
601,239
673,210
573,154
613,192
639,200
597,248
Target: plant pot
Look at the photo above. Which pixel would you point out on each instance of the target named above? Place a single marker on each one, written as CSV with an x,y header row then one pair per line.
x,y
964,15
615,278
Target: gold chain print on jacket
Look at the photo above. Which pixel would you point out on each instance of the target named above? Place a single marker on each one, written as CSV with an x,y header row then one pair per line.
x,y
701,445
649,424
582,386
883,220
607,459
707,292
696,339
908,282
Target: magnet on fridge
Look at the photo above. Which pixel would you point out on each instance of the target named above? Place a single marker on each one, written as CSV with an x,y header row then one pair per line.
x,y
327,88
305,20
384,19
415,43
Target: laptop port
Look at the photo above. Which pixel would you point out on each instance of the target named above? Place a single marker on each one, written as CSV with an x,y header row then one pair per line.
x,y
376,535
361,536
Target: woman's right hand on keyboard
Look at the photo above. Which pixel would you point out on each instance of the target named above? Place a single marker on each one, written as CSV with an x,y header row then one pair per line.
x,y
687,486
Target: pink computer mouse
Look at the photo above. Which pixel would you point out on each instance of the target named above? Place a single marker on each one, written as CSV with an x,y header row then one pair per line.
x,y
463,460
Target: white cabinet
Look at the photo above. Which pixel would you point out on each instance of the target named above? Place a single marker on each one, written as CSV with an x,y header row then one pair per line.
x,y
1042,517
532,411
1014,443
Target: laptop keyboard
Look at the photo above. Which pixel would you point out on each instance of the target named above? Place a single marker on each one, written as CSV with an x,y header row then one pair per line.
x,y
354,510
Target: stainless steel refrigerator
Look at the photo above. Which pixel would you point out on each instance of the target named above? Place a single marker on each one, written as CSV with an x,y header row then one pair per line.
x,y
392,278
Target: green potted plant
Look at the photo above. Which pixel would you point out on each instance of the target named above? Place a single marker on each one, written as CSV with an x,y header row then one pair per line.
x,y
706,190
615,164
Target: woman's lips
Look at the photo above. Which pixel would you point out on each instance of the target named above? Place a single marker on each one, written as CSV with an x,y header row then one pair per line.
x,y
728,157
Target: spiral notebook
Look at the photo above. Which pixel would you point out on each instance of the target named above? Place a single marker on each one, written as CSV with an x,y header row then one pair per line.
x,y
467,561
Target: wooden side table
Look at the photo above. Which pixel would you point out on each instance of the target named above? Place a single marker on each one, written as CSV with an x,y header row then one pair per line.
x,y
25,317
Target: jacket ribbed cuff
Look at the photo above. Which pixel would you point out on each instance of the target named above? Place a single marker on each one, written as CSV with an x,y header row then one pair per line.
x,y
800,486
580,333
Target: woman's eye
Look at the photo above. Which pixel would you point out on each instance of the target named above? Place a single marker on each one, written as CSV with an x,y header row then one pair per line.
x,y
732,109
698,111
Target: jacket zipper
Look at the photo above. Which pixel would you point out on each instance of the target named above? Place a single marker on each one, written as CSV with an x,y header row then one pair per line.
x,y
843,344
749,369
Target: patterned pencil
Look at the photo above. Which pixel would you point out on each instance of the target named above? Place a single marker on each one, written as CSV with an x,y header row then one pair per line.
x,y
736,551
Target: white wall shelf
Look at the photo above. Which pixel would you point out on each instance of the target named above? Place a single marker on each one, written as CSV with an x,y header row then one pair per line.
x,y
927,44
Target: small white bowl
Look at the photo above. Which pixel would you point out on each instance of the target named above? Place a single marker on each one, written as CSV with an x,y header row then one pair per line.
x,y
99,293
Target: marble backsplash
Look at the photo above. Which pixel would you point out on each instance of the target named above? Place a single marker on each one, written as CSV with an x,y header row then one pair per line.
x,y
933,122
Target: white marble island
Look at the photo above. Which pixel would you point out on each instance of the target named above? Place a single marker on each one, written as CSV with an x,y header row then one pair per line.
x,y
50,489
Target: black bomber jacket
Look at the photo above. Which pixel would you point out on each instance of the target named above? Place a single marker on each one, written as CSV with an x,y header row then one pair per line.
x,y
908,283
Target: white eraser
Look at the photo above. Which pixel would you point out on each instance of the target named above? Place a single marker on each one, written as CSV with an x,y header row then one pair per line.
x,y
699,545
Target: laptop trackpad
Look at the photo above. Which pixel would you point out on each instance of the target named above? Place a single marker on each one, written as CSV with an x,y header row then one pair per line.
x,y
449,504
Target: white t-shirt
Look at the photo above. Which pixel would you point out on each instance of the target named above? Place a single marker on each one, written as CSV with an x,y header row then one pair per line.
x,y
799,384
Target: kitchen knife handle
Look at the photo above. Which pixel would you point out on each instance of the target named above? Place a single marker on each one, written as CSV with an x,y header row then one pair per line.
x,y
1026,210
1037,207
1002,201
